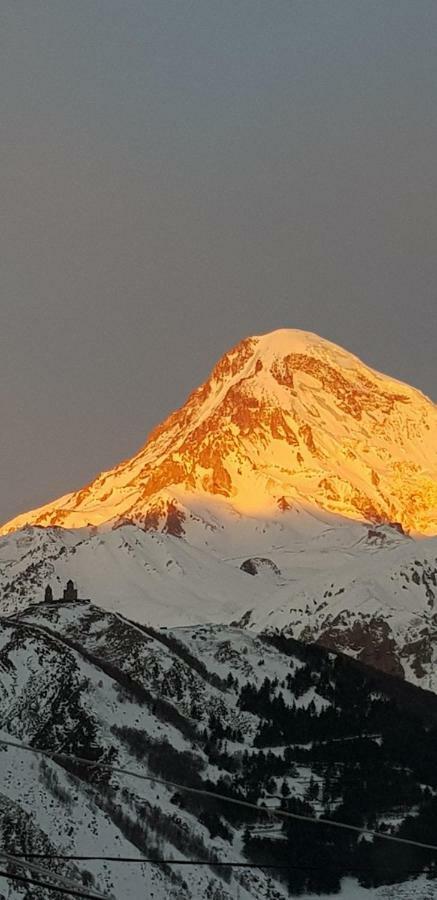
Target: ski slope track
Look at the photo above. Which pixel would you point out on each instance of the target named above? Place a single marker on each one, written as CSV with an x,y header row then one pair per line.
x,y
295,490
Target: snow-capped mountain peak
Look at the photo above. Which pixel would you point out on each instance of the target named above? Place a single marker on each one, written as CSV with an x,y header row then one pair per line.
x,y
284,419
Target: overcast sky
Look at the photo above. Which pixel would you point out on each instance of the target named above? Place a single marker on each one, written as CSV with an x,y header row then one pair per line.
x,y
177,174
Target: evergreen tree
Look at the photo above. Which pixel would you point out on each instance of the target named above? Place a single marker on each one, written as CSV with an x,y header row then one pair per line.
x,y
285,790
312,791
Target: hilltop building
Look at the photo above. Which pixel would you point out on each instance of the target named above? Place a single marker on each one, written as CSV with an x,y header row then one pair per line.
x,y
70,592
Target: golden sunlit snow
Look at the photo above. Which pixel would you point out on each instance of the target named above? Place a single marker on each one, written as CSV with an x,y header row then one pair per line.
x,y
284,418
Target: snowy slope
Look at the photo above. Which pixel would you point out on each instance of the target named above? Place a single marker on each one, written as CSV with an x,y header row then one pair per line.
x,y
82,681
417,889
54,695
368,590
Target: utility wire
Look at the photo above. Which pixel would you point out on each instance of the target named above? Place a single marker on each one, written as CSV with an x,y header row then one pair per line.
x,y
46,884
204,862
204,792
66,883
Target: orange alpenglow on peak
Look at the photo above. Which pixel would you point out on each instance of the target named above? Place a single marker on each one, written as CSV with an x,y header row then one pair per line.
x,y
285,418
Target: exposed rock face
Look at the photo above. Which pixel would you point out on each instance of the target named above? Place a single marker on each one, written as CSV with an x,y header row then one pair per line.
x,y
286,415
259,564
370,642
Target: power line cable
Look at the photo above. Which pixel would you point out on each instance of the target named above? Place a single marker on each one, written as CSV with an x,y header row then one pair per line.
x,y
62,880
46,884
204,792
231,864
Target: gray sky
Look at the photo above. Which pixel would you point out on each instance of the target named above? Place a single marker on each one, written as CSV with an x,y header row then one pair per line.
x,y
177,174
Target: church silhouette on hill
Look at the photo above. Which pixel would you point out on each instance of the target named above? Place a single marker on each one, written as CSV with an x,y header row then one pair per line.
x,y
68,596
70,592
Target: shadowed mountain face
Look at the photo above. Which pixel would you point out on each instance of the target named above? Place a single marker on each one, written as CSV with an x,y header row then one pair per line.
x,y
213,707
284,419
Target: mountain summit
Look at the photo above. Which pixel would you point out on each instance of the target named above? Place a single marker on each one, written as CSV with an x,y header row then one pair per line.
x,y
287,493
284,419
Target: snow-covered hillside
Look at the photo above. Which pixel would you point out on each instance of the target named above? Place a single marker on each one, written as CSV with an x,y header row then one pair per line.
x,y
366,589
214,707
